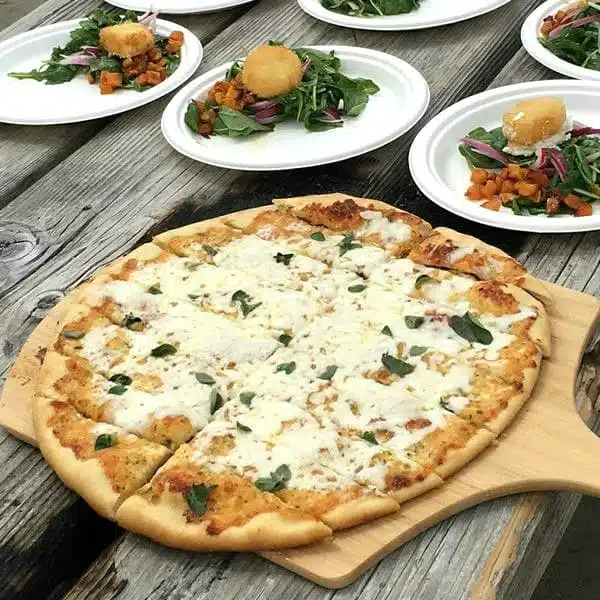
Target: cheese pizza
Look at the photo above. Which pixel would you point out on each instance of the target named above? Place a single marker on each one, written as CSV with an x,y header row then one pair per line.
x,y
262,380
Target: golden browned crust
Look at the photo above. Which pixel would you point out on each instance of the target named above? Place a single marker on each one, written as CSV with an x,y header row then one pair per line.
x,y
238,517
102,477
449,249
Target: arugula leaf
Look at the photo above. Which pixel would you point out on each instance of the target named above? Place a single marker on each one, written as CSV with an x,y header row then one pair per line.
x,y
328,373
285,339
366,8
242,427
105,63
163,350
205,378
288,368
155,289
396,365
197,496
357,288
283,258
52,73
469,328
122,379
247,397
234,123
368,436
387,331
216,401
318,236
72,334
413,322
105,440
192,116
276,480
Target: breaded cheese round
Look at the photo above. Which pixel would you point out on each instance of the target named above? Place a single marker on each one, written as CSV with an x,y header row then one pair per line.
x,y
127,39
271,70
532,121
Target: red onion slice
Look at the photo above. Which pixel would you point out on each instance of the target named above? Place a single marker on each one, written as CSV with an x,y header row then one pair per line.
x,y
267,115
584,131
485,149
558,162
541,160
577,23
261,105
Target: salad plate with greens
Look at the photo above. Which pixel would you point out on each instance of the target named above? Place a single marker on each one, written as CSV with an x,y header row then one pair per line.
x,y
565,37
284,108
396,15
524,157
101,65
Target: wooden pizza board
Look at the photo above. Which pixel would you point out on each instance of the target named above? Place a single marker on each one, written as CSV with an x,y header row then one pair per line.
x,y
547,447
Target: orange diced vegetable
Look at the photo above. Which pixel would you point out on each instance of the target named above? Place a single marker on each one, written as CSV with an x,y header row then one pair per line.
x,y
175,42
489,189
109,82
474,192
526,189
583,210
537,177
493,204
507,198
514,172
572,201
508,187
479,176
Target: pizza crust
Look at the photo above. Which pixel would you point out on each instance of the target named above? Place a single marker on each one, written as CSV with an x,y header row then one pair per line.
x,y
459,457
359,511
329,199
405,494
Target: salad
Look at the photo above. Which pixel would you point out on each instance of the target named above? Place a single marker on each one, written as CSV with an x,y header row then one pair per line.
x,y
276,84
113,52
371,8
573,34
539,162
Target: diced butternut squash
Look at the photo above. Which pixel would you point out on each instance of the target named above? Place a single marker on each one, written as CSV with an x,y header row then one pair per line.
x,y
572,201
508,187
507,198
479,176
493,204
538,177
515,172
583,210
474,192
526,189
489,190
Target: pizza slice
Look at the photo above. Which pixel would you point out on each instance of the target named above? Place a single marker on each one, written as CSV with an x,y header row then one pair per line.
x,y
192,506
449,249
103,463
283,449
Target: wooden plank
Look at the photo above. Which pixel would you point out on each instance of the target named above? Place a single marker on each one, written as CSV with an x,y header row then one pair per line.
x,y
34,151
121,212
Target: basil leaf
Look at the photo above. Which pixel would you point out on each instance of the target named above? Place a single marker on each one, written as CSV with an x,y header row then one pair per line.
x,y
417,350
357,288
71,334
204,378
197,496
163,350
155,289
387,331
469,328
105,440
120,378
209,250
240,296
396,366
117,390
413,322
348,243
287,368
276,481
368,436
285,339
243,298
422,280
194,296
317,236
242,427
328,373
216,401
247,397
132,322
283,258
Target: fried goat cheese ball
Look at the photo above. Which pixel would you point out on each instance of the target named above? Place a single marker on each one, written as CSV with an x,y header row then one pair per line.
x,y
271,70
534,124
127,39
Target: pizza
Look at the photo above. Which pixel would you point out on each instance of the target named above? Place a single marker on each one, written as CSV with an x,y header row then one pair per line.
x,y
264,379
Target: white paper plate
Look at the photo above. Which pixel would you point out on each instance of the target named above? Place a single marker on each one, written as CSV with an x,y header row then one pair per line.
x,y
400,103
181,7
433,13
529,37
28,102
442,174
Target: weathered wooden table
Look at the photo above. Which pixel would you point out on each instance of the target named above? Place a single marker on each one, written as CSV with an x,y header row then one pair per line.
x,y
74,197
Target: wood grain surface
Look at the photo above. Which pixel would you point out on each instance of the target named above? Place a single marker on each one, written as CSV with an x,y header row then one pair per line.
x,y
85,198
